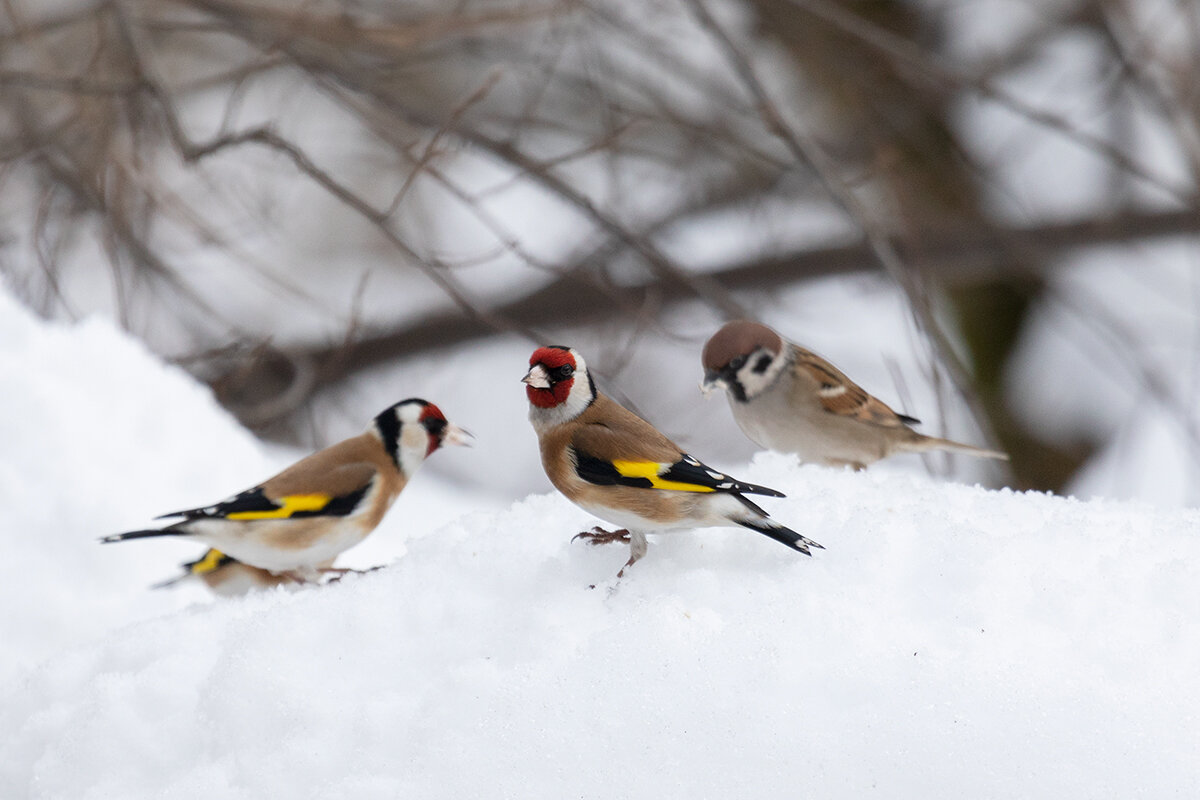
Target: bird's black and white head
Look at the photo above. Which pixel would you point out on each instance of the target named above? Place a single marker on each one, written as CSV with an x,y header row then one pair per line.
x,y
412,429
744,358
558,386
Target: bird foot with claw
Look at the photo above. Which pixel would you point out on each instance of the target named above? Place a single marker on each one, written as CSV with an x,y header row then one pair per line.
x,y
599,536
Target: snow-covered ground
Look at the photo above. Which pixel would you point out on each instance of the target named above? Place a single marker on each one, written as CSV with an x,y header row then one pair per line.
x,y
950,642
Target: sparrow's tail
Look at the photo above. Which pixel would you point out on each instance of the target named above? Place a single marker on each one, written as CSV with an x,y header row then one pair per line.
x,y
785,536
924,443
120,537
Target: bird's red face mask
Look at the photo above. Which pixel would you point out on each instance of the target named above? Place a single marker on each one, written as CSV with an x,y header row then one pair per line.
x,y
550,378
439,430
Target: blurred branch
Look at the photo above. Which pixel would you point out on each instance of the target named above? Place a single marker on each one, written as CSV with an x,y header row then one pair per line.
x,y
1122,339
315,54
1132,56
266,137
908,54
963,257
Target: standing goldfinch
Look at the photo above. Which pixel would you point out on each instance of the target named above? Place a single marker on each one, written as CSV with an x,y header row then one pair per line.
x,y
790,399
297,522
619,467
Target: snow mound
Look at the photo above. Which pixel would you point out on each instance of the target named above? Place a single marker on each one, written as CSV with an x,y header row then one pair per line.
x,y
950,642
98,436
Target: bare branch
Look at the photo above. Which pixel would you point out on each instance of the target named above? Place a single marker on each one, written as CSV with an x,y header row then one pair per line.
x,y
909,54
966,257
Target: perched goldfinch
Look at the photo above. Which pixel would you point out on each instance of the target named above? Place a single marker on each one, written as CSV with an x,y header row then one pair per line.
x,y
619,467
297,522
225,576
789,399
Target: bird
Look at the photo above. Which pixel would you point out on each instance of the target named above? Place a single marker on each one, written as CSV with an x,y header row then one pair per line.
x,y
298,521
616,465
225,576
790,399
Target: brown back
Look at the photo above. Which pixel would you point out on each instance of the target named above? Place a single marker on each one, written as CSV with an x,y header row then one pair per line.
x,y
841,396
338,470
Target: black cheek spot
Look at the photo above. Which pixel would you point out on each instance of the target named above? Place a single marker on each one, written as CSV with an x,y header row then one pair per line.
x,y
761,365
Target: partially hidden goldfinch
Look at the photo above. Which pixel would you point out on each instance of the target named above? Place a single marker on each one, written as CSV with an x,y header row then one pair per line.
x,y
225,576
619,467
790,399
297,522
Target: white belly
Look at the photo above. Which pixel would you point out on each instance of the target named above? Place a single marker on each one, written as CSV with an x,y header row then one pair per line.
x,y
705,510
805,429
257,542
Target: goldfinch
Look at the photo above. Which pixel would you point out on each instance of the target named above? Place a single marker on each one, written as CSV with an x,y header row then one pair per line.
x,y
225,576
297,522
790,399
619,467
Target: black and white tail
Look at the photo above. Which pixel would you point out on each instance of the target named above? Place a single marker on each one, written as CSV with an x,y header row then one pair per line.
x,y
146,534
785,536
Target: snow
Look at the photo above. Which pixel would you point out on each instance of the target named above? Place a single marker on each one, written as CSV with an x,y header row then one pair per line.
x,y
950,641
100,437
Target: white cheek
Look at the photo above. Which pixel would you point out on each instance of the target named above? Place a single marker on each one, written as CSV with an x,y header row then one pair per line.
x,y
755,383
414,442
580,397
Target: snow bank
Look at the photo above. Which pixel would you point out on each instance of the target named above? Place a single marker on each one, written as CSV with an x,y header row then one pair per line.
x,y
98,436
950,642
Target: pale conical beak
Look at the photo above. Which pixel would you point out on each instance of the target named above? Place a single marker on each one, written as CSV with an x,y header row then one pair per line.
x,y
712,381
456,435
537,377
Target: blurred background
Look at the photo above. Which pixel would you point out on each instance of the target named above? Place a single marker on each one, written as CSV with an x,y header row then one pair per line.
x,y
985,213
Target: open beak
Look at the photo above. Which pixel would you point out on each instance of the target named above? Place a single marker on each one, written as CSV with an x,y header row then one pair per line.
x,y
456,435
712,380
537,377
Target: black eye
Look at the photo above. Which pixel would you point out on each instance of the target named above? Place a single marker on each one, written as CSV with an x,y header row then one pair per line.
x,y
563,372
737,363
435,426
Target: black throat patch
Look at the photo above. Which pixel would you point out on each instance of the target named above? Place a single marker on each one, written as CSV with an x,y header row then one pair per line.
x,y
735,386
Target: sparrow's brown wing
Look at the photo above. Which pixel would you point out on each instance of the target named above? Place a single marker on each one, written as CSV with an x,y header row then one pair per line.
x,y
843,397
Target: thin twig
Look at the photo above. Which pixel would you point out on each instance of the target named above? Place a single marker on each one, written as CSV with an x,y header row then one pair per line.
x,y
898,47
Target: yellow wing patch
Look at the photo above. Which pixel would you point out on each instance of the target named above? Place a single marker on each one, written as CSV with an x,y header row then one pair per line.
x,y
289,505
650,471
209,562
